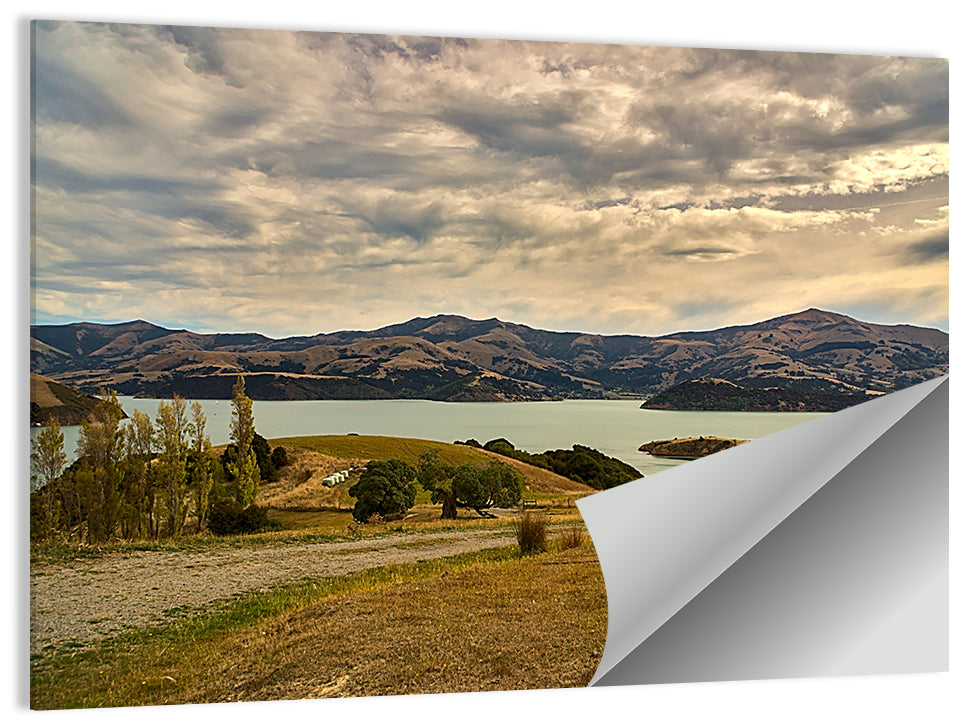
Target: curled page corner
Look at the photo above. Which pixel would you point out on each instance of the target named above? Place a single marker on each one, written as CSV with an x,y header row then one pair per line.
x,y
819,550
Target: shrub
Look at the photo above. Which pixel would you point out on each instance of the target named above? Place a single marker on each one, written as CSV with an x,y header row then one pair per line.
x,y
572,537
279,457
530,532
226,517
223,516
252,519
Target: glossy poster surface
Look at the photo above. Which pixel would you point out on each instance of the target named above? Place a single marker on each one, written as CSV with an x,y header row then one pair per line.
x,y
370,303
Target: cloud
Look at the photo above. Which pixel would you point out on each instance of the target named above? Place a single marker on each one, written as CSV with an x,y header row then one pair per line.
x,y
300,182
62,96
933,248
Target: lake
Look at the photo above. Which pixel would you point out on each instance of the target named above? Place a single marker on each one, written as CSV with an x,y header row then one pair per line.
x,y
617,428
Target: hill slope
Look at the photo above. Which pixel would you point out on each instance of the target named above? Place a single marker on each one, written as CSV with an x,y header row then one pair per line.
x,y
50,400
383,448
715,394
454,358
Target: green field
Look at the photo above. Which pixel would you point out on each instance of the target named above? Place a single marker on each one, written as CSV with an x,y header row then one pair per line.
x,y
381,448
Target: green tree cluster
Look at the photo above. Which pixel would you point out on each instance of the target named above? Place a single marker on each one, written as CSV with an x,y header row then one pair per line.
x,y
47,462
267,459
140,479
581,463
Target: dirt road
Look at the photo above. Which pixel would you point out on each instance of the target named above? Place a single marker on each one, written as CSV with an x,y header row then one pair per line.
x,y
88,599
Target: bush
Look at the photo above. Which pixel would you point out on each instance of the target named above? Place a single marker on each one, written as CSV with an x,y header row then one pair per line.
x,y
530,532
279,457
572,537
252,519
223,516
226,517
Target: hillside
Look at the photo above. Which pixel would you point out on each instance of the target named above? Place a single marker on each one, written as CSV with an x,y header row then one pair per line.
x,y
50,400
330,450
580,464
453,358
715,394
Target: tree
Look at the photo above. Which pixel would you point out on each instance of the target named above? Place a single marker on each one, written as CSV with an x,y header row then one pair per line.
x,y
244,467
140,496
263,456
468,486
47,462
98,481
173,430
436,476
200,465
386,488
497,485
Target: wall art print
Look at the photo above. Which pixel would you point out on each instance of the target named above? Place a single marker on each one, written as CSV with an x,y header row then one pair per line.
x,y
367,365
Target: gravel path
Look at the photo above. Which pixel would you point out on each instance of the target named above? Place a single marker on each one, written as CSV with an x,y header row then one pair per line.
x,y
88,599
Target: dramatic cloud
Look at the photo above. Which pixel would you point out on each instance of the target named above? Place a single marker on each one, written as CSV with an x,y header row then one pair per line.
x,y
293,182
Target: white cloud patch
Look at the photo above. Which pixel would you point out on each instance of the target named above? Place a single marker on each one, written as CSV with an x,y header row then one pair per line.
x,y
299,182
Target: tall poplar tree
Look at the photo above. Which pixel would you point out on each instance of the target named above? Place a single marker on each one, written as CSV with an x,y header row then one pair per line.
x,y
141,494
173,430
47,462
98,482
201,470
244,467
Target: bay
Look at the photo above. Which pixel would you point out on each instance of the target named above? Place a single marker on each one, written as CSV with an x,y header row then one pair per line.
x,y
617,428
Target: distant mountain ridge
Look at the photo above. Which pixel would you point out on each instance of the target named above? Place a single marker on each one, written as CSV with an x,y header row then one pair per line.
x,y
448,357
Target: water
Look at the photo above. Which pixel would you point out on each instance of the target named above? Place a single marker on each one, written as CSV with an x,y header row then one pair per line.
x,y
617,428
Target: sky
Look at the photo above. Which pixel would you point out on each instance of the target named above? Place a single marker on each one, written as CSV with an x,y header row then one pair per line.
x,y
297,182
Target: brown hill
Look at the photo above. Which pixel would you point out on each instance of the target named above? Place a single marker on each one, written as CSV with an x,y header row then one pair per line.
x,y
50,400
715,394
453,358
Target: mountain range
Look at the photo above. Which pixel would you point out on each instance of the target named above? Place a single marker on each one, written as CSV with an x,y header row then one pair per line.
x,y
449,357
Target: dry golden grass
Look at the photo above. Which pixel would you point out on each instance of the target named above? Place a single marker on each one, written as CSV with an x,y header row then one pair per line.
x,y
300,482
535,622
528,624
570,537
41,394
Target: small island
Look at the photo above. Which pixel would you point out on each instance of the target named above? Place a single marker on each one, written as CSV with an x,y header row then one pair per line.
x,y
689,448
